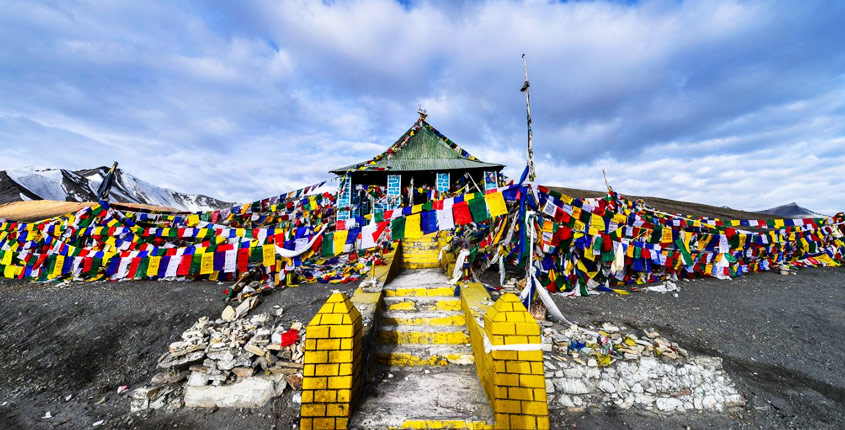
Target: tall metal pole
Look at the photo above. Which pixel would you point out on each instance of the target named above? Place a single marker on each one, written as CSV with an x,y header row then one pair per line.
x,y
531,172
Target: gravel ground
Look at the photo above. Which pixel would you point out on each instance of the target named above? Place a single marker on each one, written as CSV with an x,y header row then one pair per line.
x,y
780,338
87,339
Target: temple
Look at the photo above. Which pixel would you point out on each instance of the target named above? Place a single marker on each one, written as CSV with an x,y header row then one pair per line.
x,y
421,166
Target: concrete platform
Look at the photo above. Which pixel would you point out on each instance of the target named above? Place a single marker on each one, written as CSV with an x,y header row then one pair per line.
x,y
447,398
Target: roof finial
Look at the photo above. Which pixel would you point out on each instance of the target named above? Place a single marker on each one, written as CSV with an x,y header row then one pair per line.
x,y
422,112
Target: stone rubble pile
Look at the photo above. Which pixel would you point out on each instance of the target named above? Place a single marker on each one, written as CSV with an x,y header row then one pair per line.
x,y
228,362
610,367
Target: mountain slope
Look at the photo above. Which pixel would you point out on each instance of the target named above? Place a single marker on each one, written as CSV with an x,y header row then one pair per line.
x,y
30,183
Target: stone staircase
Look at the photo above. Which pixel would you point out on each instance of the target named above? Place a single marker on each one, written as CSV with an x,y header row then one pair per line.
x,y
425,375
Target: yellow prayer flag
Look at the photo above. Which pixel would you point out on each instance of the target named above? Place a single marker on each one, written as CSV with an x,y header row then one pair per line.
x,y
193,220
666,236
415,209
57,269
269,255
206,263
7,258
597,223
340,240
579,226
152,267
576,213
412,226
496,204
10,271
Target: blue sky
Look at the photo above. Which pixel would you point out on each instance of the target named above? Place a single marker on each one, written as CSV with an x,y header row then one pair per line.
x,y
737,103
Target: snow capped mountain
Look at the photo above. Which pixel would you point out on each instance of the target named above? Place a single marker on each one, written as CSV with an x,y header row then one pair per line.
x,y
35,183
790,210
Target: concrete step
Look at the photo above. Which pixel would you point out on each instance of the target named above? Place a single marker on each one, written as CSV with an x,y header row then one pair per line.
x,y
423,355
429,318
422,335
419,291
426,303
450,397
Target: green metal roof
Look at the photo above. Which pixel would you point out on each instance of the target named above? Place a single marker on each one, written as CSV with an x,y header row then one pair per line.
x,y
428,150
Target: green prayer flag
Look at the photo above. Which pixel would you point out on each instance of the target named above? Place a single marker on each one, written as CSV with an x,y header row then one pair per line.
x,y
397,228
478,209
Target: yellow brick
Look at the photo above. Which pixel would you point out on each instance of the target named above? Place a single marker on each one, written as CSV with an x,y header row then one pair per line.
x,y
341,423
518,367
306,424
528,328
340,382
316,357
316,332
328,344
325,396
507,406
523,422
530,356
310,344
499,366
337,410
326,370
543,423
500,392
343,396
517,393
337,298
535,408
504,355
342,308
313,410
502,306
316,320
340,356
307,396
537,368
540,394
503,328
323,423
346,344
515,316
516,340
342,331
308,370
495,340
344,369
332,319
503,421
311,383
327,308
507,379
532,381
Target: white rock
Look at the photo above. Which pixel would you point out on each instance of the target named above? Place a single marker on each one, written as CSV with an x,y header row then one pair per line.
x,y
248,393
637,388
565,401
572,372
572,386
550,386
607,386
668,404
197,379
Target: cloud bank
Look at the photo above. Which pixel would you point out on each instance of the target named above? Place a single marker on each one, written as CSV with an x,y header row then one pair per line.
x,y
738,103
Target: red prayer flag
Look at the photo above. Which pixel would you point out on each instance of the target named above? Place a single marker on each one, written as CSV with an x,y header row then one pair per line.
x,y
461,213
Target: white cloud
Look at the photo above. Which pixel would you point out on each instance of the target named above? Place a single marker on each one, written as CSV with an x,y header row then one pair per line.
x,y
727,102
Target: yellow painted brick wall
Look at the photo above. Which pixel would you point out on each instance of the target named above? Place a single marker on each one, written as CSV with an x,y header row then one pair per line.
x,y
332,372
513,380
517,377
